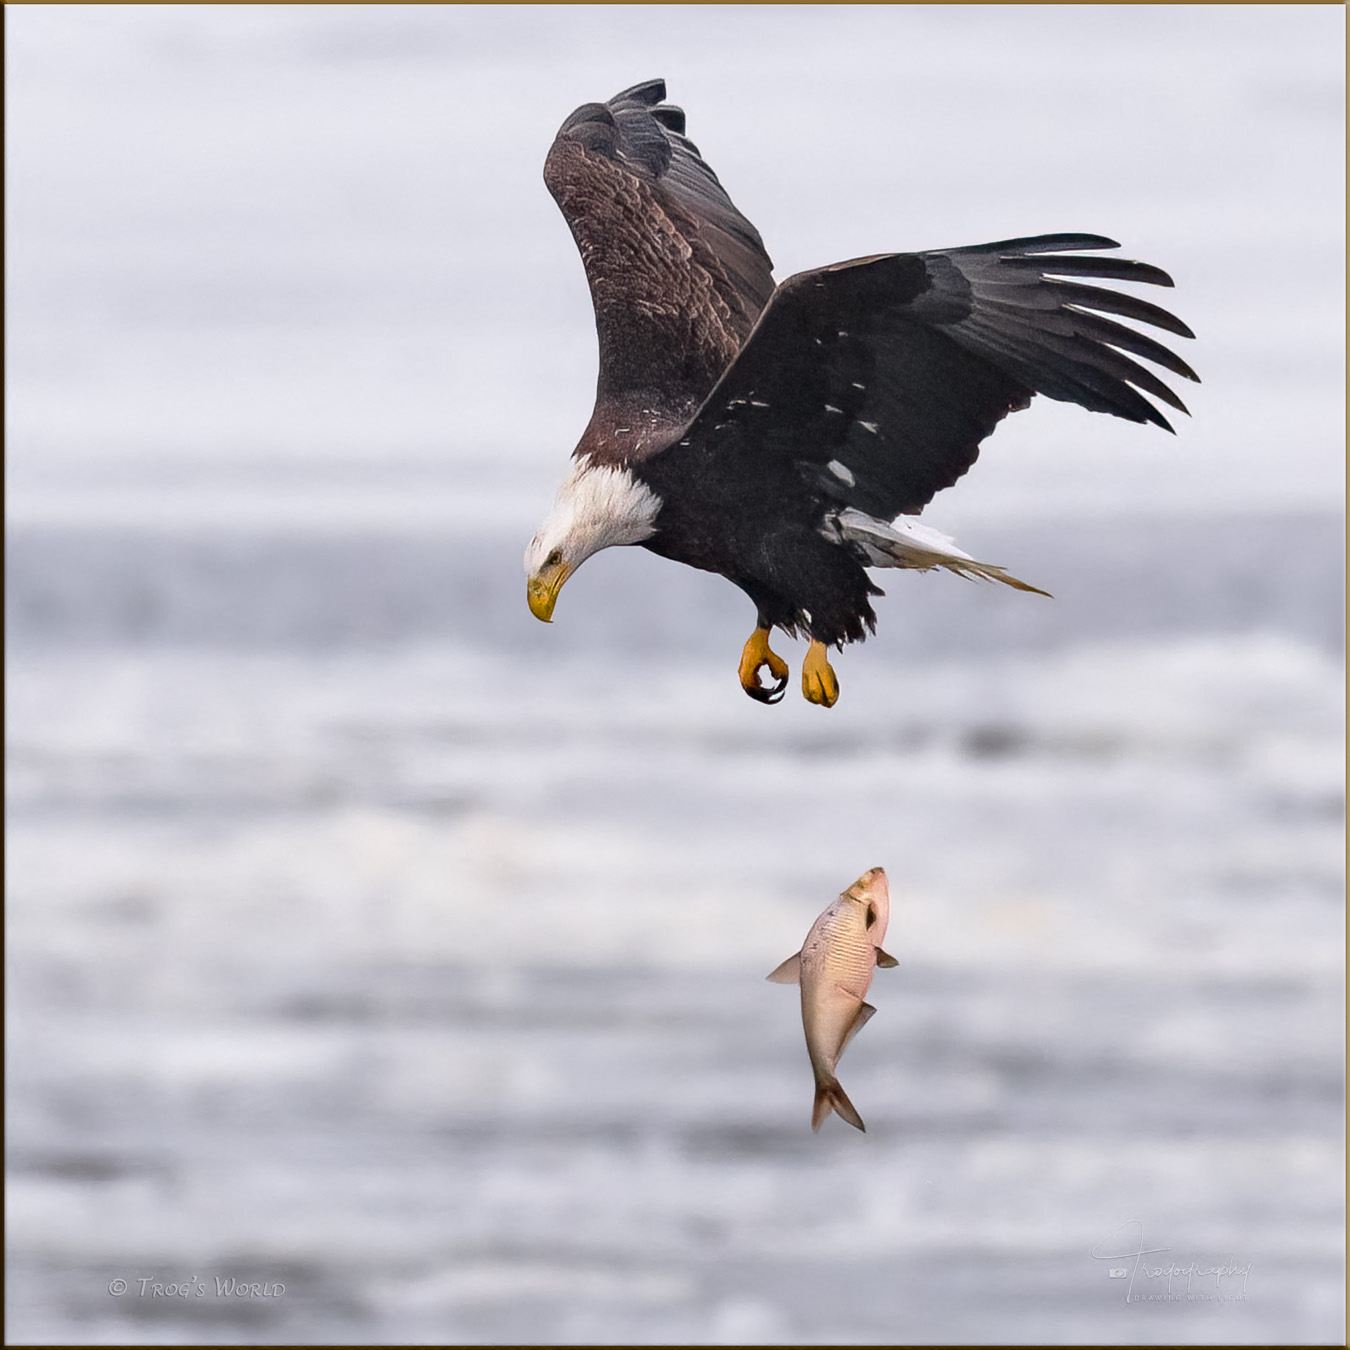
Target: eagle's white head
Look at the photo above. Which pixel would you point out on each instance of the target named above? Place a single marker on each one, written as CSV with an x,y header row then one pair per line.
x,y
596,507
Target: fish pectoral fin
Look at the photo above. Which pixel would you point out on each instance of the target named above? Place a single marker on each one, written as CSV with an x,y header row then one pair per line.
x,y
885,960
790,972
865,1011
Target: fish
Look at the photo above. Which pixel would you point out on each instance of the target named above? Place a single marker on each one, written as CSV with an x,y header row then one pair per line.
x,y
834,969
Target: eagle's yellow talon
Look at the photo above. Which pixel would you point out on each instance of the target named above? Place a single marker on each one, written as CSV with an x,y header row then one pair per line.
x,y
755,656
819,684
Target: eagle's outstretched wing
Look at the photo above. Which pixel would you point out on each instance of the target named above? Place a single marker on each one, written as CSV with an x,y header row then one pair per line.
x,y
677,275
881,376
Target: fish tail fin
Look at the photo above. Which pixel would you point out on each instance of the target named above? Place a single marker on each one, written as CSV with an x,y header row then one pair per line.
x,y
831,1097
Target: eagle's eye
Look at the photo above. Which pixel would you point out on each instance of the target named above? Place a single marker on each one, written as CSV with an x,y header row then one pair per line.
x,y
553,558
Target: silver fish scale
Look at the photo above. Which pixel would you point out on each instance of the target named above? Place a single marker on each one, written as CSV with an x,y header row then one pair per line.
x,y
838,945
837,964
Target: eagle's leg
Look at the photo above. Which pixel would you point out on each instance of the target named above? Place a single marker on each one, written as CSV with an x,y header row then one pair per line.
x,y
818,681
756,655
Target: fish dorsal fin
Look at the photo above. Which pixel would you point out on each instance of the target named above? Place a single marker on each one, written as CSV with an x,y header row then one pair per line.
x,y
865,1011
790,972
884,959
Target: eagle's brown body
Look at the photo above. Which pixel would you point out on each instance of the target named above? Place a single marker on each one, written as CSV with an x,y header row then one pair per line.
x,y
771,433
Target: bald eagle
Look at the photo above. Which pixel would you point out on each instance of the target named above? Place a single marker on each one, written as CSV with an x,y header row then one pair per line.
x,y
785,436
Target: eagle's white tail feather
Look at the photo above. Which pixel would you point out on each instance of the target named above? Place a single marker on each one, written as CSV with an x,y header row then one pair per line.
x,y
907,543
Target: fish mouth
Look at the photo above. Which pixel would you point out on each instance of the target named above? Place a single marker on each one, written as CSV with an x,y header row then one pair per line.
x,y
868,885
541,590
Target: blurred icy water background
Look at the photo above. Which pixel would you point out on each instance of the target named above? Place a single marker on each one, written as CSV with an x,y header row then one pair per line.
x,y
368,938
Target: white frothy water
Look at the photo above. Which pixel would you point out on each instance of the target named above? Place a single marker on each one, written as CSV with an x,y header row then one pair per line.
x,y
427,980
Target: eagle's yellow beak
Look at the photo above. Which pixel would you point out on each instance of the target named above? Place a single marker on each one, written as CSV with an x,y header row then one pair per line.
x,y
541,590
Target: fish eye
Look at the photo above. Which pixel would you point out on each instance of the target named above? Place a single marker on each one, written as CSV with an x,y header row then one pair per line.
x,y
871,915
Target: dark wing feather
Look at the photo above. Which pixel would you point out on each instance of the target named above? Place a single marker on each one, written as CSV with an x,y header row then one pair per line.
x,y
677,275
880,377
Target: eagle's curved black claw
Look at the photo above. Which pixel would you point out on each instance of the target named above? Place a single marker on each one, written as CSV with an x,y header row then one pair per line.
x,y
774,694
757,656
